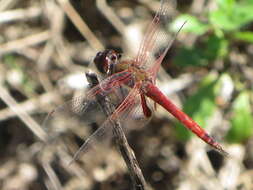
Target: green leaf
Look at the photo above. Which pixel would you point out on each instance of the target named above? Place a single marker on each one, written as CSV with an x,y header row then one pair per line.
x,y
232,17
187,56
226,4
242,120
212,48
244,13
244,36
199,106
221,20
216,47
250,2
193,25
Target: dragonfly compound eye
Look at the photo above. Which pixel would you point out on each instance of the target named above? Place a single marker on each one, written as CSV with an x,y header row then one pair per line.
x,y
106,60
101,61
112,59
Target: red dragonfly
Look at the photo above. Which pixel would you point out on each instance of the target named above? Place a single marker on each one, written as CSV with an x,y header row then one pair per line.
x,y
129,84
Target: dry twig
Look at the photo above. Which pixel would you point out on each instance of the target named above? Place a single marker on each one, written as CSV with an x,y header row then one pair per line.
x,y
121,141
26,118
81,25
20,14
24,42
30,106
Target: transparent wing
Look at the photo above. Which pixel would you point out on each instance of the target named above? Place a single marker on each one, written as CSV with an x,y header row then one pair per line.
x,y
70,120
150,41
82,115
128,115
149,55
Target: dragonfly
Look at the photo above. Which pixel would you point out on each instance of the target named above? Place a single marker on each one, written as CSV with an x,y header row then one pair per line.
x,y
130,85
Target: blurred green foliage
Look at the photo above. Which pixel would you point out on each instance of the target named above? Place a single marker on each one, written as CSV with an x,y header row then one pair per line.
x,y
221,28
26,82
216,35
242,120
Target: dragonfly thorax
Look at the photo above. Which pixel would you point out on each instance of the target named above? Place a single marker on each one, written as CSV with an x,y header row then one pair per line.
x,y
140,75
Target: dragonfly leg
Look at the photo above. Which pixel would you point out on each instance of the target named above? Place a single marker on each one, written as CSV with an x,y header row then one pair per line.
x,y
146,110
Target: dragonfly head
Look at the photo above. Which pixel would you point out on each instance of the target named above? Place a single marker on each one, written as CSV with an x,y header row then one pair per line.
x,y
106,61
